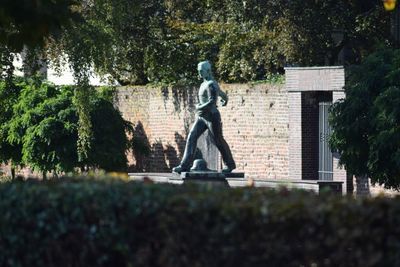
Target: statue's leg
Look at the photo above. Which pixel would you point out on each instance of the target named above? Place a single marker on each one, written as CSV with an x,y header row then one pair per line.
x,y
215,128
198,129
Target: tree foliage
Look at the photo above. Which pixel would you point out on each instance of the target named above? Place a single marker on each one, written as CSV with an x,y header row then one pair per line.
x,y
154,41
9,93
366,124
138,42
110,137
162,40
31,22
42,121
44,124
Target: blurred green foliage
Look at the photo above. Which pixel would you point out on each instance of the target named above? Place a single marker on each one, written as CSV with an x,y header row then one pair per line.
x,y
109,222
366,124
40,128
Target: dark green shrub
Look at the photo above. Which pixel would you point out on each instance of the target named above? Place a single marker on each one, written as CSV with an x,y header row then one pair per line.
x,y
366,124
110,143
9,93
40,129
74,222
44,125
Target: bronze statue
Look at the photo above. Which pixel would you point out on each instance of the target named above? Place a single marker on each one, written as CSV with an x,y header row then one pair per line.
x,y
208,117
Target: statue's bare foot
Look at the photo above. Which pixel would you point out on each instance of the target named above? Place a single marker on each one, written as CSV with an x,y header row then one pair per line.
x,y
179,169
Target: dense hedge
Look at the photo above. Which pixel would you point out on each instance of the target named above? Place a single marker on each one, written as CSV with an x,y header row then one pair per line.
x,y
117,223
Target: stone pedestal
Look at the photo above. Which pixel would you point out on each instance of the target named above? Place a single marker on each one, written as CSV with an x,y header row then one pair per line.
x,y
200,173
205,177
208,177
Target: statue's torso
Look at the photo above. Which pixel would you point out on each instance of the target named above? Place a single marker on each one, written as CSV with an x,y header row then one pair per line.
x,y
203,92
205,88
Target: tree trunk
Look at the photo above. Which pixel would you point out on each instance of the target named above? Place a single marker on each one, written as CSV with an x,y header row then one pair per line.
x,y
362,185
349,183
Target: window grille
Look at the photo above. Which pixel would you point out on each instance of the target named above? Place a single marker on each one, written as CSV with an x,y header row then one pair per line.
x,y
325,161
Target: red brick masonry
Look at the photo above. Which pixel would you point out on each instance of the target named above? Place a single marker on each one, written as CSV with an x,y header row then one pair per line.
x,y
255,125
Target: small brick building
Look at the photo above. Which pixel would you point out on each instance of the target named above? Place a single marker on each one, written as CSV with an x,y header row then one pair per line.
x,y
311,91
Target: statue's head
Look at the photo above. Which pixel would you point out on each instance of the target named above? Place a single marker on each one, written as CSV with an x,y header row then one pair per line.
x,y
204,69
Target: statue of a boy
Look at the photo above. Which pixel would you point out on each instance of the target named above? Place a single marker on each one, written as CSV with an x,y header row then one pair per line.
x,y
208,117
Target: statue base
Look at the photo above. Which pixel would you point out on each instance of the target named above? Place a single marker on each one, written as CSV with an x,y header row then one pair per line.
x,y
206,177
202,175
199,173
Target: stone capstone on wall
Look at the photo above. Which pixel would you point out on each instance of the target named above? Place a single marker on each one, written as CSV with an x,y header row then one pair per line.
x,y
315,78
255,125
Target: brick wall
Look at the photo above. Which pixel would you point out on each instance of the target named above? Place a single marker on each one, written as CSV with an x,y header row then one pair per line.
x,y
255,125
